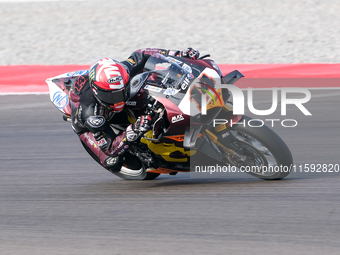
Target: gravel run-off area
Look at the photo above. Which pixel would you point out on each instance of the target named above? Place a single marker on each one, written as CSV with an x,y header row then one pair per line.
x,y
243,31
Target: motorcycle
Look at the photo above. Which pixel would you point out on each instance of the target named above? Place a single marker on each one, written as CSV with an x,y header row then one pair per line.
x,y
184,96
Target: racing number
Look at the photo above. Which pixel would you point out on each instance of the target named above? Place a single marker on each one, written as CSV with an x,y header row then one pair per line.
x,y
78,85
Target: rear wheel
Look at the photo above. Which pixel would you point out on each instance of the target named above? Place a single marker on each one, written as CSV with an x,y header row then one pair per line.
x,y
135,175
259,151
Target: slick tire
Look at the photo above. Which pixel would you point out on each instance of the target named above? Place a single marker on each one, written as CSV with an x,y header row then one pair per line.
x,y
275,145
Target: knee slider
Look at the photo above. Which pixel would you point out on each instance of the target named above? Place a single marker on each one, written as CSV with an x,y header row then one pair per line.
x,y
113,163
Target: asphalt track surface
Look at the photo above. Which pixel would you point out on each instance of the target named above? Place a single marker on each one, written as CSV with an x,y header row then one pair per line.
x,y
56,200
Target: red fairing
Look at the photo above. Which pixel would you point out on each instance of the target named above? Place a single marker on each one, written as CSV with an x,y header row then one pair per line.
x,y
67,109
74,98
178,120
205,63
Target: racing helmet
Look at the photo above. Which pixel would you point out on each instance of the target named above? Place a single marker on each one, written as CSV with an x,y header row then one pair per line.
x,y
108,81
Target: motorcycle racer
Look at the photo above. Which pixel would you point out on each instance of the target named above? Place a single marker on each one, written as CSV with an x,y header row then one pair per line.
x,y
98,100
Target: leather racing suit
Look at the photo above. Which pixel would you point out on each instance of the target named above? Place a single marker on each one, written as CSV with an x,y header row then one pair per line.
x,y
91,120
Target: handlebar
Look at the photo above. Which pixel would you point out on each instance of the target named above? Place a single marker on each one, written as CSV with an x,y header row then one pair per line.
x,y
205,56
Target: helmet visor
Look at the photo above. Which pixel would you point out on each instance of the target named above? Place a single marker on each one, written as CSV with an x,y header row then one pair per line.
x,y
111,97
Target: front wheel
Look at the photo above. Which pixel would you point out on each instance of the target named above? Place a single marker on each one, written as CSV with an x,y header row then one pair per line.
x,y
128,174
133,169
259,151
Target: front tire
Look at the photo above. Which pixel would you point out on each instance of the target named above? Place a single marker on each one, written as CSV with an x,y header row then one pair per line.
x,y
262,148
129,174
134,169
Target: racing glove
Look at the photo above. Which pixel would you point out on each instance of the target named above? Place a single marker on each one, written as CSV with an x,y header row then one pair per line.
x,y
136,130
190,53
132,134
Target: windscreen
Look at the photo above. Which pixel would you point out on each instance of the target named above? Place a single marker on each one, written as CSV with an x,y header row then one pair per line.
x,y
168,79
165,72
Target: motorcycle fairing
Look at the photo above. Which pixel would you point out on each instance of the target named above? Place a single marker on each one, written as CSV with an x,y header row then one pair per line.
x,y
171,82
59,90
168,151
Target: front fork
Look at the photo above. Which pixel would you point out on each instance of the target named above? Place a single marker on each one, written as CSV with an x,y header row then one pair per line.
x,y
219,131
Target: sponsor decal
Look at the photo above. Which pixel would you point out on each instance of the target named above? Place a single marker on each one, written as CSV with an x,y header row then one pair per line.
x,y
81,72
171,91
174,60
131,61
207,92
92,73
177,118
131,103
60,99
101,142
153,88
185,83
187,68
90,140
120,148
115,79
115,86
225,134
211,95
